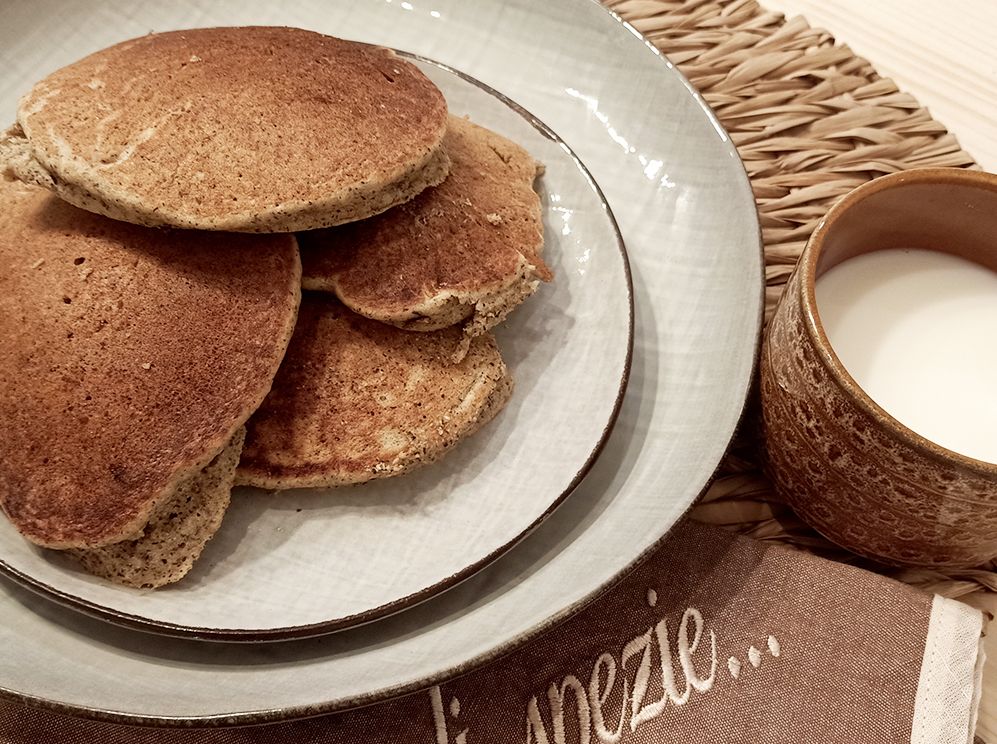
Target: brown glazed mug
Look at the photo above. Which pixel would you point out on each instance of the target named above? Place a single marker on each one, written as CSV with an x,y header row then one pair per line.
x,y
846,466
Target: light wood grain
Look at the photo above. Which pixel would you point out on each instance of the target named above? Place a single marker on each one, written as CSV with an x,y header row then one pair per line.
x,y
941,52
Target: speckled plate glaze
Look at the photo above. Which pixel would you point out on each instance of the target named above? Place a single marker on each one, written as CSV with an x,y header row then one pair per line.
x,y
311,561
685,209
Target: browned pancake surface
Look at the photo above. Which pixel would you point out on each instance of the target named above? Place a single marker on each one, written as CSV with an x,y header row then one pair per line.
x,y
177,531
130,357
425,265
356,399
256,128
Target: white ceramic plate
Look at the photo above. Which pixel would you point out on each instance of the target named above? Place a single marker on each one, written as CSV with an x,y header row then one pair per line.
x,y
686,212
310,561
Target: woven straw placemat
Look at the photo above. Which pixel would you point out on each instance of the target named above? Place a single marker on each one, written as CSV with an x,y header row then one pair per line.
x,y
811,121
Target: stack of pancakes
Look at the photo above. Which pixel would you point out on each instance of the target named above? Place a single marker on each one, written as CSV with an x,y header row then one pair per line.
x,y
156,353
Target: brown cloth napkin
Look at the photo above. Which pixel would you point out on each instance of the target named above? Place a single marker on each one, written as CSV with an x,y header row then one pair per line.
x,y
714,638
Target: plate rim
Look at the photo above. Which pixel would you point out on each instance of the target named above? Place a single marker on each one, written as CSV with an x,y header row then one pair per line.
x,y
324,627
289,713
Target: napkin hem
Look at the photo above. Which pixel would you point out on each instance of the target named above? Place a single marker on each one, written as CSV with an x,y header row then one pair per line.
x,y
946,704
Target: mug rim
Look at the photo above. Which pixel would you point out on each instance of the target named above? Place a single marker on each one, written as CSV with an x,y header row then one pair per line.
x,y
808,296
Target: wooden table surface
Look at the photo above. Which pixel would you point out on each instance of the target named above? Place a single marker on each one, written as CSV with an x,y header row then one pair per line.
x,y
943,54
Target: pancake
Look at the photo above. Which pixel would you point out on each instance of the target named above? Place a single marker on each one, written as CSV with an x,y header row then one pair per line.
x,y
257,129
130,358
467,251
357,400
177,531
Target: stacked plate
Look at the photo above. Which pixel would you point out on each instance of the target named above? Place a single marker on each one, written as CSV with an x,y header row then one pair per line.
x,y
307,602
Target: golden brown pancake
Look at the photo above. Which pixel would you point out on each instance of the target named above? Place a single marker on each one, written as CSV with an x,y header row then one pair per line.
x,y
258,129
466,250
130,358
177,531
356,400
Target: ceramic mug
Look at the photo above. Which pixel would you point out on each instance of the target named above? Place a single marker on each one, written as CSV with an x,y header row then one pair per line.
x,y
847,467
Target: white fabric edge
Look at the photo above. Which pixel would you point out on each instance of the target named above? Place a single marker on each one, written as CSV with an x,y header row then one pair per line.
x,y
951,680
981,661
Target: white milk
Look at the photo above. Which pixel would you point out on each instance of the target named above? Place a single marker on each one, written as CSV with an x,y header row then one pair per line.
x,y
918,332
